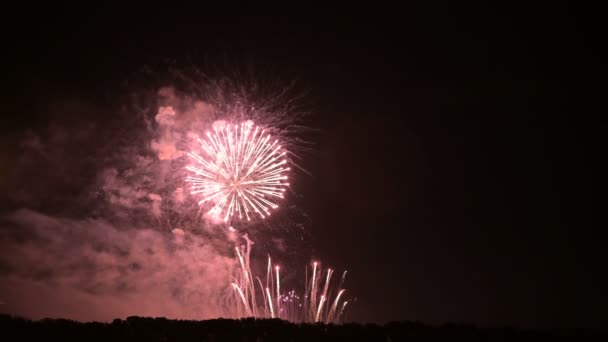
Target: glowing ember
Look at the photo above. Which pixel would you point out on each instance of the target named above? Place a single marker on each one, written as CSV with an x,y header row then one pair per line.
x,y
240,172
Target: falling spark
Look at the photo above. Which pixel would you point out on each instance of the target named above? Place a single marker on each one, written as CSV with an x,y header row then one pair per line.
x,y
240,171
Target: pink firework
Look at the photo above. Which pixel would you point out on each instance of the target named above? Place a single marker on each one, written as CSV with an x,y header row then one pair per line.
x,y
240,172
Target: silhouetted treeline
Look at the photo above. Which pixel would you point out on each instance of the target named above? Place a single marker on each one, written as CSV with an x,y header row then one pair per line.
x,y
252,330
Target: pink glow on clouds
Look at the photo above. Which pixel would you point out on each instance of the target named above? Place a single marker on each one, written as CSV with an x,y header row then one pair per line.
x,y
92,270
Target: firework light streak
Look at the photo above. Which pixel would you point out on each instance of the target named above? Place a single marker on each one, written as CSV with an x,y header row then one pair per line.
x,y
240,172
314,306
270,302
332,311
278,289
320,307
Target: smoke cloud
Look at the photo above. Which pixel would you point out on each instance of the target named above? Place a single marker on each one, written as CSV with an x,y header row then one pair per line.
x,y
99,226
96,220
92,270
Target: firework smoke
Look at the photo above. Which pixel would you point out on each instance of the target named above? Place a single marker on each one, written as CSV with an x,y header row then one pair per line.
x,y
93,269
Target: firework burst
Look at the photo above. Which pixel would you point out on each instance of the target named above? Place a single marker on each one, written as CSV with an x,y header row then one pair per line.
x,y
240,172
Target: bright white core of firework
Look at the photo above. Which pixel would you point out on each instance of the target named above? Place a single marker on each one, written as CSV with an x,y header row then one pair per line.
x,y
240,171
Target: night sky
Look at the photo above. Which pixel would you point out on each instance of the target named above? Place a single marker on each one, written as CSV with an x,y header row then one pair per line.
x,y
451,172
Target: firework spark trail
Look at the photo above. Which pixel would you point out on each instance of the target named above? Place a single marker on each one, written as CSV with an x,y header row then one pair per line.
x,y
313,289
241,172
264,297
332,311
342,279
249,279
341,311
320,307
270,302
240,292
325,288
268,270
278,290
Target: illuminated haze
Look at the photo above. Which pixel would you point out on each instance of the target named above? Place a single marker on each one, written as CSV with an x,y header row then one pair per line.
x,y
109,229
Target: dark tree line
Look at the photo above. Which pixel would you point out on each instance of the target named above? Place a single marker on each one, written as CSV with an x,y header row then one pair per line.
x,y
252,330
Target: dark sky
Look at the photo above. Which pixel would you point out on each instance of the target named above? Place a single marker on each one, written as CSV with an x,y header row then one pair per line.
x,y
452,174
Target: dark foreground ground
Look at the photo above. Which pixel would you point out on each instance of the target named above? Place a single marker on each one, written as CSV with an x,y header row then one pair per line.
x,y
161,329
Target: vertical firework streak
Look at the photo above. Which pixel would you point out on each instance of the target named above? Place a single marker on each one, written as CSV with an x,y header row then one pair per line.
x,y
317,306
278,290
313,291
270,301
326,287
240,171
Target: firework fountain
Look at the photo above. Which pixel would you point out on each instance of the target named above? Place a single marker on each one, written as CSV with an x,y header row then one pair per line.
x,y
321,301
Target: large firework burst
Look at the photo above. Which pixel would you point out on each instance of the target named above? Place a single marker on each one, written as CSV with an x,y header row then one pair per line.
x,y
240,173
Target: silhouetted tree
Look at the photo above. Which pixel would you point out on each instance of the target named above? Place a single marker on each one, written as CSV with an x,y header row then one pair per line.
x,y
135,329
